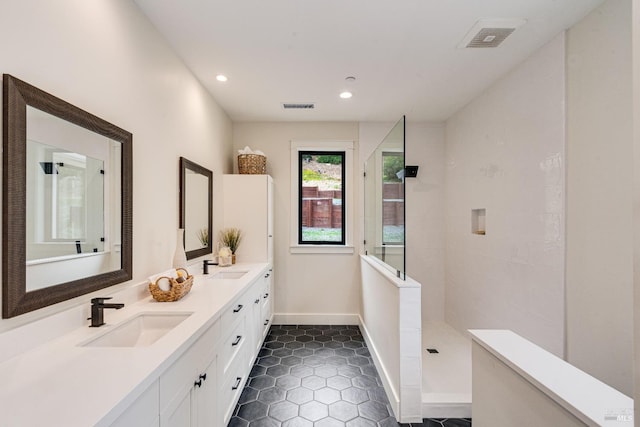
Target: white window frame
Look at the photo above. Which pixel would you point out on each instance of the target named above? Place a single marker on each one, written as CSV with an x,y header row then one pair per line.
x,y
348,212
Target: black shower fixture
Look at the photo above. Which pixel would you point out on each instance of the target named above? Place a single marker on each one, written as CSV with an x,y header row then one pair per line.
x,y
410,171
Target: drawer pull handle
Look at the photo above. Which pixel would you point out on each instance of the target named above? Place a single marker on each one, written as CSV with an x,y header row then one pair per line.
x,y
203,377
237,341
266,322
238,308
267,275
266,295
198,383
257,301
237,384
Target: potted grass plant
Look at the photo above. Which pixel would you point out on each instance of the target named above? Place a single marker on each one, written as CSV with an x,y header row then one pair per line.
x,y
231,237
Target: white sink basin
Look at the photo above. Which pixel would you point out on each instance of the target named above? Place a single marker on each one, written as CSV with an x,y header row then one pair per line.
x,y
139,331
229,274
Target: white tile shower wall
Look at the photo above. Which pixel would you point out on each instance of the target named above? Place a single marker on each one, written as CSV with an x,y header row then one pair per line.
x,y
505,154
600,195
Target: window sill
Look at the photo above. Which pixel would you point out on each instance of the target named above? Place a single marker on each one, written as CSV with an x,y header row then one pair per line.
x,y
321,249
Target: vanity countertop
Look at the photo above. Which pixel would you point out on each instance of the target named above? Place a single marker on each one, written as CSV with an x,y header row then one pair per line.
x,y
62,383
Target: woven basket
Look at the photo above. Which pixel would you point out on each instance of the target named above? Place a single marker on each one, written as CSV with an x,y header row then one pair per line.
x,y
175,292
252,164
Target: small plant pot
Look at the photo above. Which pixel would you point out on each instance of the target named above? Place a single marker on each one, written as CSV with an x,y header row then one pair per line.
x,y
233,258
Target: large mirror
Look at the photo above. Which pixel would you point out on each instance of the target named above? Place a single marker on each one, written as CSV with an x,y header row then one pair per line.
x,y
196,187
67,187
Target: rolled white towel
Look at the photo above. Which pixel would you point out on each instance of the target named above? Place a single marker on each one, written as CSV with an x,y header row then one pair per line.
x,y
260,153
164,284
245,150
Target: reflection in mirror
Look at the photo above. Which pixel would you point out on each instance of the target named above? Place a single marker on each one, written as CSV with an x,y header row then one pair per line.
x,y
66,200
67,180
196,186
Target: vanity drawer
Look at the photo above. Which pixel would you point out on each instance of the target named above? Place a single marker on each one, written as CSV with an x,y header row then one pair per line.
x,y
181,374
236,311
233,345
232,385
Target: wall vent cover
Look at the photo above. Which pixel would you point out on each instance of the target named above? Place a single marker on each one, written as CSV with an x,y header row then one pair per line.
x,y
489,33
298,106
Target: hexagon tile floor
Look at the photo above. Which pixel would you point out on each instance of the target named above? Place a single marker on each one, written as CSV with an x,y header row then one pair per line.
x,y
319,376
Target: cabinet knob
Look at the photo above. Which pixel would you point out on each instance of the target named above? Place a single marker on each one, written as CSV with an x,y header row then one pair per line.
x,y
238,308
201,377
257,301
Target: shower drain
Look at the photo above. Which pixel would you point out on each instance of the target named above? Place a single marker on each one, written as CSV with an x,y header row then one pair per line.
x,y
432,350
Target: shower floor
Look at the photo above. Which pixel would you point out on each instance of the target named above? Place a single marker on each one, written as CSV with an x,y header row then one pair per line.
x,y
446,375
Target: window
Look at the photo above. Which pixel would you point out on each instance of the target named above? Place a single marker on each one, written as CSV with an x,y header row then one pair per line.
x,y
392,198
321,197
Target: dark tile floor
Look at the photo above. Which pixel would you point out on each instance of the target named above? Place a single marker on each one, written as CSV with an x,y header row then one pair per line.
x,y
317,376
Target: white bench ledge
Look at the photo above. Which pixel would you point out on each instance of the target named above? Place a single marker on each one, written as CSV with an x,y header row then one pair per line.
x,y
589,399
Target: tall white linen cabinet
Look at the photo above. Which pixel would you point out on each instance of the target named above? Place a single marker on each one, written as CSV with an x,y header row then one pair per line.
x,y
248,205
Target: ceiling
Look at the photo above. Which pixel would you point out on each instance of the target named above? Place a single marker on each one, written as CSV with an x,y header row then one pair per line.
x,y
403,53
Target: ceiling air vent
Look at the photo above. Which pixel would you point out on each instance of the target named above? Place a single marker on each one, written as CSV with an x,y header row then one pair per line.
x,y
488,33
298,106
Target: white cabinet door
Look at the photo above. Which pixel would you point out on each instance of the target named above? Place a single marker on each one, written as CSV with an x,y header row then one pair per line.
x,y
143,412
248,205
270,236
205,398
180,414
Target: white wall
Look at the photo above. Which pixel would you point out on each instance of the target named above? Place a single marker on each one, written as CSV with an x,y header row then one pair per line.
x,y
424,203
505,153
599,276
105,57
635,28
306,285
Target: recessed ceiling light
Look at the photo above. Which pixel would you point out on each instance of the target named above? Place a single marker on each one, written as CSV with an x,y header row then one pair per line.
x,y
346,94
221,78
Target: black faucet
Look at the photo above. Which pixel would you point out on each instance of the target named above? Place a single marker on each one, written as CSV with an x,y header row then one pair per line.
x,y
205,265
97,310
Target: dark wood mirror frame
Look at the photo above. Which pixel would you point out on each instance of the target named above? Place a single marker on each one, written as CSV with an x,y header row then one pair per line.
x,y
17,95
184,165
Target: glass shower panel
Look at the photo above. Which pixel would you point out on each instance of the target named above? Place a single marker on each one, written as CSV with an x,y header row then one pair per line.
x,y
384,210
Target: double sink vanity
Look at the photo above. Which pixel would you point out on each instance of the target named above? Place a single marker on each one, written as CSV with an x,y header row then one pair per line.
x,y
145,364
152,364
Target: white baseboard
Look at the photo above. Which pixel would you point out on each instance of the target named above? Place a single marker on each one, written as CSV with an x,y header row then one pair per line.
x,y
392,395
437,405
315,319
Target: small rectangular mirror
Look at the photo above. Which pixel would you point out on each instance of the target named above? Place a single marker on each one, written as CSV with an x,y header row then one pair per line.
x,y
196,188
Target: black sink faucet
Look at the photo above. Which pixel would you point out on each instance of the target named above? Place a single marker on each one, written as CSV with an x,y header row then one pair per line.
x,y
97,310
205,265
